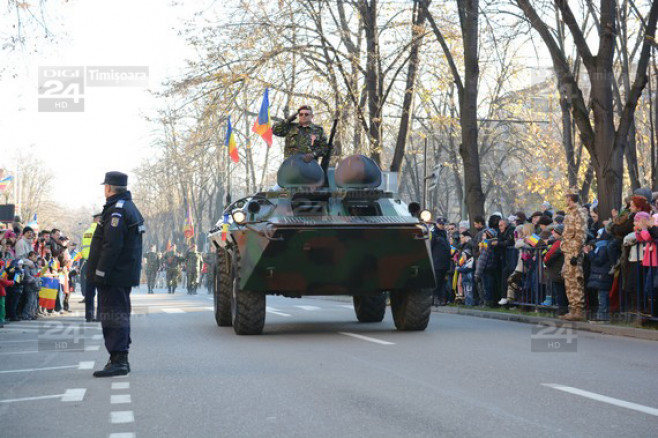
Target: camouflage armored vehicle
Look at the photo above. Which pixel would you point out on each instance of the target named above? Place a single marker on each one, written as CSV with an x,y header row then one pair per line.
x,y
345,233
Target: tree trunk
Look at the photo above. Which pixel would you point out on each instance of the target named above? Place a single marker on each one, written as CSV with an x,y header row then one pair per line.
x,y
417,32
373,78
468,109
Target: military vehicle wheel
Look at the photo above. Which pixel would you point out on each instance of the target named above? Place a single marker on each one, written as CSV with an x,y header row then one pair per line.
x,y
223,289
247,307
370,308
411,309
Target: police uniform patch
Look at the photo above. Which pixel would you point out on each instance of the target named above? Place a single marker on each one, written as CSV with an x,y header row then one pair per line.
x,y
115,221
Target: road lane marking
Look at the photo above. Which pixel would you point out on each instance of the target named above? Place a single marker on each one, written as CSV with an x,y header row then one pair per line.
x,y
122,435
309,308
92,347
172,310
274,311
367,338
209,308
116,399
80,366
76,394
73,395
120,385
117,417
604,399
347,306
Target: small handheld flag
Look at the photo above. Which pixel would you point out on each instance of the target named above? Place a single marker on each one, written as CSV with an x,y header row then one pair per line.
x,y
262,125
230,143
534,239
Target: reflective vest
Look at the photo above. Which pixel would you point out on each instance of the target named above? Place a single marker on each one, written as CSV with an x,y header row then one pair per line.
x,y
86,240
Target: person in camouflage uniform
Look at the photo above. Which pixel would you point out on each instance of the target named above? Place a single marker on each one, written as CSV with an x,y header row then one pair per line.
x,y
573,240
193,265
303,137
210,258
172,268
152,265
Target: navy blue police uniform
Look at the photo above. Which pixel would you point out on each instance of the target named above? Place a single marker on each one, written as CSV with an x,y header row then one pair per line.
x,y
115,263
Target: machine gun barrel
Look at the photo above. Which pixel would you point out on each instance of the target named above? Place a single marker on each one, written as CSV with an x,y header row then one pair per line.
x,y
327,157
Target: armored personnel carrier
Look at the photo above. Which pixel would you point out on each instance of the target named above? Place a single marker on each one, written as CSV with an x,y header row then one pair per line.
x,y
340,233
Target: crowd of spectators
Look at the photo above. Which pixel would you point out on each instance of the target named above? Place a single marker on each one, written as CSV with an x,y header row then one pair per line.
x,y
27,256
546,260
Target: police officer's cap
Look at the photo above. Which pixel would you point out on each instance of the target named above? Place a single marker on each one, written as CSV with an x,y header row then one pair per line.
x,y
116,179
97,215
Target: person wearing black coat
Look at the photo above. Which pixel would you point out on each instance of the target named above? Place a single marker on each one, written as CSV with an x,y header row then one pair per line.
x,y
602,257
115,262
441,259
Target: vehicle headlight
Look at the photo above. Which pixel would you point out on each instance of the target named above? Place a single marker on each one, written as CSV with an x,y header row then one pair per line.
x,y
239,217
425,216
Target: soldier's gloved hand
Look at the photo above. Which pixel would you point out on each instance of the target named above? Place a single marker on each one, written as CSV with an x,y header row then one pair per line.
x,y
291,118
308,158
574,261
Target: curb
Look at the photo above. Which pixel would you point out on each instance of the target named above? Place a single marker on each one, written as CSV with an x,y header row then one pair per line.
x,y
631,332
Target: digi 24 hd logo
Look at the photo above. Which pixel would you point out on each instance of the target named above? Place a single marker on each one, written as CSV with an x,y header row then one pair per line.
x,y
62,88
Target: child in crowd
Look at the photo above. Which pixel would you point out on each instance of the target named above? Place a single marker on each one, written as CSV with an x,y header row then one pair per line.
x,y
465,268
515,280
553,260
602,257
5,282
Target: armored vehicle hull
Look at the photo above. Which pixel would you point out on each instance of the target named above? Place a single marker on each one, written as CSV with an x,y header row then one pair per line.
x,y
298,240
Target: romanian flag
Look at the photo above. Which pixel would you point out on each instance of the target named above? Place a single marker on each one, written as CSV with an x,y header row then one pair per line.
x,y
188,228
263,125
48,293
534,239
453,250
225,227
4,182
230,143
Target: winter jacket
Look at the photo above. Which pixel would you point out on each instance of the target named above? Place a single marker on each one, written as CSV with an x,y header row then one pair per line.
x,y
650,258
23,248
601,259
440,250
553,260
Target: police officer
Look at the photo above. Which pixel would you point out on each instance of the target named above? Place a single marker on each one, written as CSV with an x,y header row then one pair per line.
x,y
115,262
87,282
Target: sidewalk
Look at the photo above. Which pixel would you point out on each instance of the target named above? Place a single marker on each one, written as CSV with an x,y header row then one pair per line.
x,y
606,329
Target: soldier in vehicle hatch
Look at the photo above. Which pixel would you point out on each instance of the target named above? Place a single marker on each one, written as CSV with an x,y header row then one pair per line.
x,y
303,137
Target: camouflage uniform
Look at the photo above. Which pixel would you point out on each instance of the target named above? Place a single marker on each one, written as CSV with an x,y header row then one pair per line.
x,y
152,265
299,139
193,265
573,240
210,259
172,269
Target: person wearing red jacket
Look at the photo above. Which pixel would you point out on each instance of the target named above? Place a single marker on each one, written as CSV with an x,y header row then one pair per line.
x,y
4,283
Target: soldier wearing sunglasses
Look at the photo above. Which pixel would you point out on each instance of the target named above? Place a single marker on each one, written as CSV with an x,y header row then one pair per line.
x,y
303,137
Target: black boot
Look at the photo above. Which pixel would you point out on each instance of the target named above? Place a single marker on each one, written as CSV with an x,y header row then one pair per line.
x,y
116,366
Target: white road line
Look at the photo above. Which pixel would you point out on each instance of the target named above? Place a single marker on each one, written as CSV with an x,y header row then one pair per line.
x,y
367,338
97,337
92,347
70,395
604,399
122,435
80,366
209,308
347,306
120,385
116,399
122,417
274,311
172,310
309,308
73,395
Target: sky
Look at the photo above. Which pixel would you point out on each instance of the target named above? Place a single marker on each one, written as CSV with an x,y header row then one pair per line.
x,y
111,133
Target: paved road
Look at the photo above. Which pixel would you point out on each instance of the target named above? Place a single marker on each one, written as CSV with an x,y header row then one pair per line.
x,y
317,373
